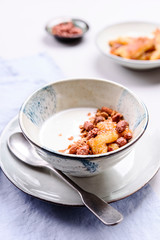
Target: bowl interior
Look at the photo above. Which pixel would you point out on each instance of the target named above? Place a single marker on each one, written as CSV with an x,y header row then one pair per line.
x,y
134,29
67,94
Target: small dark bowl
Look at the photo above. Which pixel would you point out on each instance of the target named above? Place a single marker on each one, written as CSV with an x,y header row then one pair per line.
x,y
76,22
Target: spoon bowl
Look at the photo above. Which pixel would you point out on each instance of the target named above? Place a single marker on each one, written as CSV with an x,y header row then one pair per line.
x,y
24,151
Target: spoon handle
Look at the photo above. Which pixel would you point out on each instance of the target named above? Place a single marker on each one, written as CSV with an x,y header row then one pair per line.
x,y
65,178
105,212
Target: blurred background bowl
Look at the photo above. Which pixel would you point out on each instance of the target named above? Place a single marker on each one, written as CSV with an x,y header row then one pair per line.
x,y
134,29
76,22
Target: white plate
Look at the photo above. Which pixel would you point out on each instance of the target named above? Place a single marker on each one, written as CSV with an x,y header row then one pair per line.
x,y
135,29
115,183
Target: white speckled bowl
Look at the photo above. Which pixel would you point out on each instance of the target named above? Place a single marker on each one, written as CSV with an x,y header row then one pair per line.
x,y
73,93
134,29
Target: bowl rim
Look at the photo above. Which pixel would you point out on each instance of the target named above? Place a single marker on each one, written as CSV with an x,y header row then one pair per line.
x,y
124,60
66,18
73,156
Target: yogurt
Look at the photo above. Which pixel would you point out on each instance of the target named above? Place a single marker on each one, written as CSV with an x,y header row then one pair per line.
x,y
62,129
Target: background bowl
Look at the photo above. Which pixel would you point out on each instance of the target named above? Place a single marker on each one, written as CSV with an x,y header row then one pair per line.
x,y
135,29
74,93
76,22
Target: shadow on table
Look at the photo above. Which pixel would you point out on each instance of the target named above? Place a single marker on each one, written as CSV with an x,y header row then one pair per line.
x,y
53,42
76,216
113,71
29,218
69,215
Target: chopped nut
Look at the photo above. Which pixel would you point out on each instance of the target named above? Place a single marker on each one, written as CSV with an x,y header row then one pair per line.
x,y
73,149
127,135
103,114
121,126
98,119
121,141
117,117
107,110
92,133
88,126
84,150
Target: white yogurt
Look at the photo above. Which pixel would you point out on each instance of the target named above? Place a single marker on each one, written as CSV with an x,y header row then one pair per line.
x,y
55,132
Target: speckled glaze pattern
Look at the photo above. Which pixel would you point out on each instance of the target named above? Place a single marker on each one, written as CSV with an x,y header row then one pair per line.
x,y
40,107
71,93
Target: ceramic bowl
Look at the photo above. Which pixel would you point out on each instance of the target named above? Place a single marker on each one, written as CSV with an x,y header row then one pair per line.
x,y
75,93
76,22
134,29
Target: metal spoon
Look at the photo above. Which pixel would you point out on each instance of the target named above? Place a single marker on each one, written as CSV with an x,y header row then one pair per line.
x,y
23,150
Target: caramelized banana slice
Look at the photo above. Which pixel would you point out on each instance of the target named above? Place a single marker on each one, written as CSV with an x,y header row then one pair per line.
x,y
107,125
121,41
99,143
135,49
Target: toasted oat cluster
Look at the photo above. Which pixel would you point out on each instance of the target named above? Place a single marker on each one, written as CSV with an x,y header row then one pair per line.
x,y
141,48
104,132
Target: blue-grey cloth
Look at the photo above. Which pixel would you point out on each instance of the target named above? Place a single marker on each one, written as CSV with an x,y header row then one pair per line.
x,y
23,217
